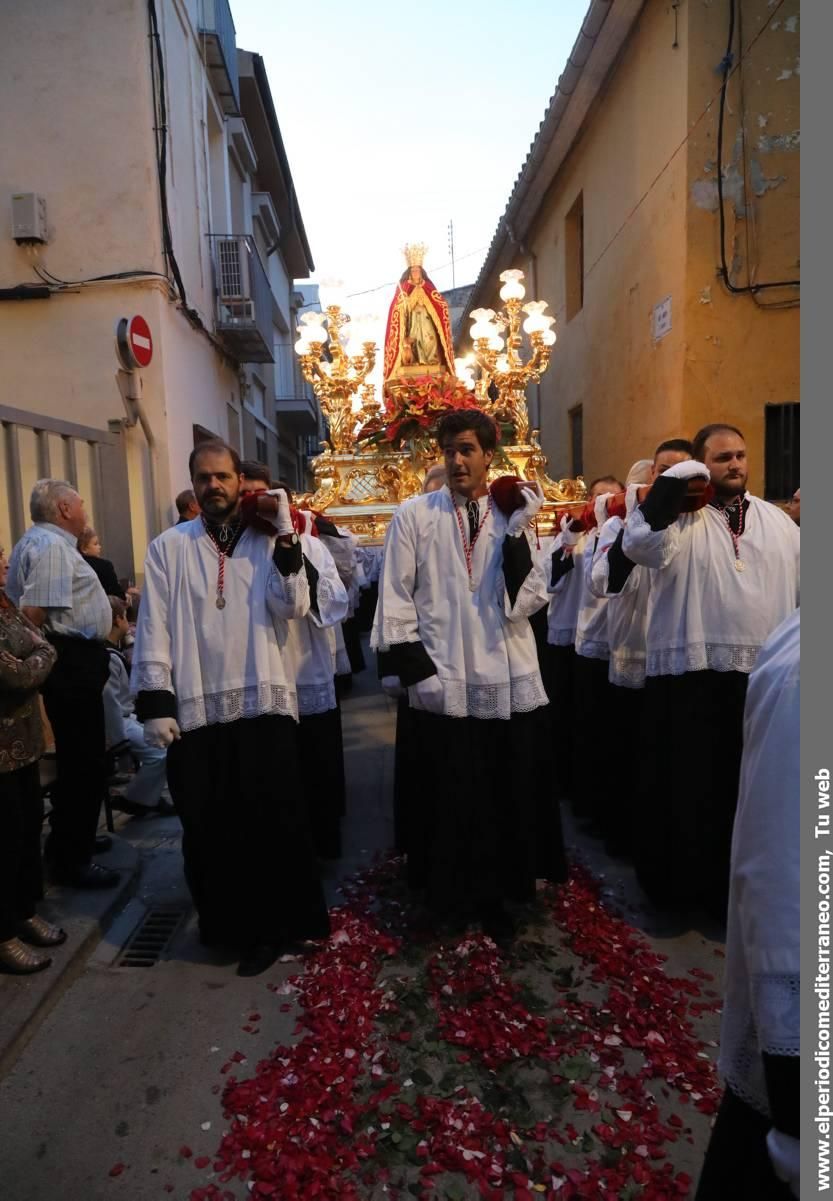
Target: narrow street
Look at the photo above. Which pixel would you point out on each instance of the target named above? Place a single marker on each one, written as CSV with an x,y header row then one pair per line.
x,y
118,1092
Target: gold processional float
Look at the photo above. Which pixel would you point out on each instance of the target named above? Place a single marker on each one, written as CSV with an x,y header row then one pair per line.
x,y
377,455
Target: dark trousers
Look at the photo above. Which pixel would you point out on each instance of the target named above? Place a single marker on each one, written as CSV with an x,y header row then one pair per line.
x,y
483,822
21,817
321,753
622,733
246,838
72,696
737,1166
691,744
558,674
353,644
592,795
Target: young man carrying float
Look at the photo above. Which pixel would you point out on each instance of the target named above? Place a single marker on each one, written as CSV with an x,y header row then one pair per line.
x,y
457,586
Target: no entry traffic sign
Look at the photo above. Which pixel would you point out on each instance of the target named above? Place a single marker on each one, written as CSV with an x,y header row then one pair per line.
x,y
135,342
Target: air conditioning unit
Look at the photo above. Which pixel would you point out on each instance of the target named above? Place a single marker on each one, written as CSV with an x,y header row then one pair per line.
x,y
233,281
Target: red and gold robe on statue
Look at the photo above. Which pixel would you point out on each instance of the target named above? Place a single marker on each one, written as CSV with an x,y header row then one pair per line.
x,y
399,321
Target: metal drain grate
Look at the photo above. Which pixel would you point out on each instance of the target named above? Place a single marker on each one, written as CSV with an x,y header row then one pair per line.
x,y
152,938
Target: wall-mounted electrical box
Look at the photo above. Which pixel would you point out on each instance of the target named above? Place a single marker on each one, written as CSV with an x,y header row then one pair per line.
x,y
29,218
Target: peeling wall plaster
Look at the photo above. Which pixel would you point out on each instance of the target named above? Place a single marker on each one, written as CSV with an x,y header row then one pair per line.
x,y
704,191
769,143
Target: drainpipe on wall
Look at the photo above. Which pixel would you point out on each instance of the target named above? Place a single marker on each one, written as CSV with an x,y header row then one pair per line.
x,y
130,387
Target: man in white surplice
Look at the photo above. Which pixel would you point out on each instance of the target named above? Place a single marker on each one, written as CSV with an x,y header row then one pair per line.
x,y
457,586
215,684
723,578
754,1150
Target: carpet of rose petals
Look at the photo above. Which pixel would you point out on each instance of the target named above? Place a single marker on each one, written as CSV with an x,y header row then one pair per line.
x,y
434,1069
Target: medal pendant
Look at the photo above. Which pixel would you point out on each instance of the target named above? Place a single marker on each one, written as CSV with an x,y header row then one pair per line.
x,y
740,565
220,602
472,586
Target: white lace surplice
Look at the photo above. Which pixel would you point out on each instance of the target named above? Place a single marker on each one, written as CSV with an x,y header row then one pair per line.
x,y
311,641
592,639
702,613
565,595
482,646
627,612
761,1009
221,664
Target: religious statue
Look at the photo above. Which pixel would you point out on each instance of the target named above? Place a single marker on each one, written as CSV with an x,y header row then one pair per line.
x,y
418,334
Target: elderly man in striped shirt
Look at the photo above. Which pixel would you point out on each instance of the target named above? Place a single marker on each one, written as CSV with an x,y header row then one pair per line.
x,y
53,586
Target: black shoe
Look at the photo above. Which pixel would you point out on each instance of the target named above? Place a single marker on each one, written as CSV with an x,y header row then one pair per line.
x,y
500,926
91,875
102,844
257,959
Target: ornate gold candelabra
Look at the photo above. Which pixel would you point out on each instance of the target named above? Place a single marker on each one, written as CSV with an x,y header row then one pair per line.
x,y
337,373
501,363
361,486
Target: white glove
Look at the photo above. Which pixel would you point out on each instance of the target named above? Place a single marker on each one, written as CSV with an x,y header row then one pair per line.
x,y
687,470
569,538
430,694
533,499
631,498
160,732
784,1151
282,521
600,508
392,687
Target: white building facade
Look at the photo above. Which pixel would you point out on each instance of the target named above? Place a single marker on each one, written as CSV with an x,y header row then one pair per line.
x,y
155,145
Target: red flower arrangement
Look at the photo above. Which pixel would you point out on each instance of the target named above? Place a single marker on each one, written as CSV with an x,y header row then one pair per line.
x,y
412,418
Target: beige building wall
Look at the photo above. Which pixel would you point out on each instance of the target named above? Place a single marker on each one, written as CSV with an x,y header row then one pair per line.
x,y
644,162
76,126
632,178
742,352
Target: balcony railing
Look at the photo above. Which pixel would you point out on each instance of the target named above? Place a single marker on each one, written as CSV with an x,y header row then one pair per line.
x,y
220,49
244,298
296,408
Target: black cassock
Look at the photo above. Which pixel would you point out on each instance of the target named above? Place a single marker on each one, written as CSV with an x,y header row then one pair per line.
x,y
247,838
321,749
475,806
246,835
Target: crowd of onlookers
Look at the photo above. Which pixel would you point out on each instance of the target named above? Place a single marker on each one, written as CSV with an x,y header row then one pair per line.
x,y
65,635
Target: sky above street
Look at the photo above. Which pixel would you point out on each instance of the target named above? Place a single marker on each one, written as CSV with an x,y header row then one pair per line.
x,y
400,118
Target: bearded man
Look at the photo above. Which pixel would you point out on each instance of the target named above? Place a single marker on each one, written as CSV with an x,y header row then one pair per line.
x,y
723,578
213,674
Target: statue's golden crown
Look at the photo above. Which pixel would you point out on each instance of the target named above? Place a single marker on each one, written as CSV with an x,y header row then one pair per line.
x,y
414,253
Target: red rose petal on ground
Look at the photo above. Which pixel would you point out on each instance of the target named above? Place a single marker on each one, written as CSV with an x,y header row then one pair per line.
x,y
117,1169
202,1161
185,1152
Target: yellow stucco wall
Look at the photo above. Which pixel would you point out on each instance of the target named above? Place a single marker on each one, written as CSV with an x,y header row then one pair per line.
x,y
741,356
633,177
645,165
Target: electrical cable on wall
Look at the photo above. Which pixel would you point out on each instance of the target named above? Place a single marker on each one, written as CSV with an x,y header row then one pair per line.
x,y
160,129
726,67
49,278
